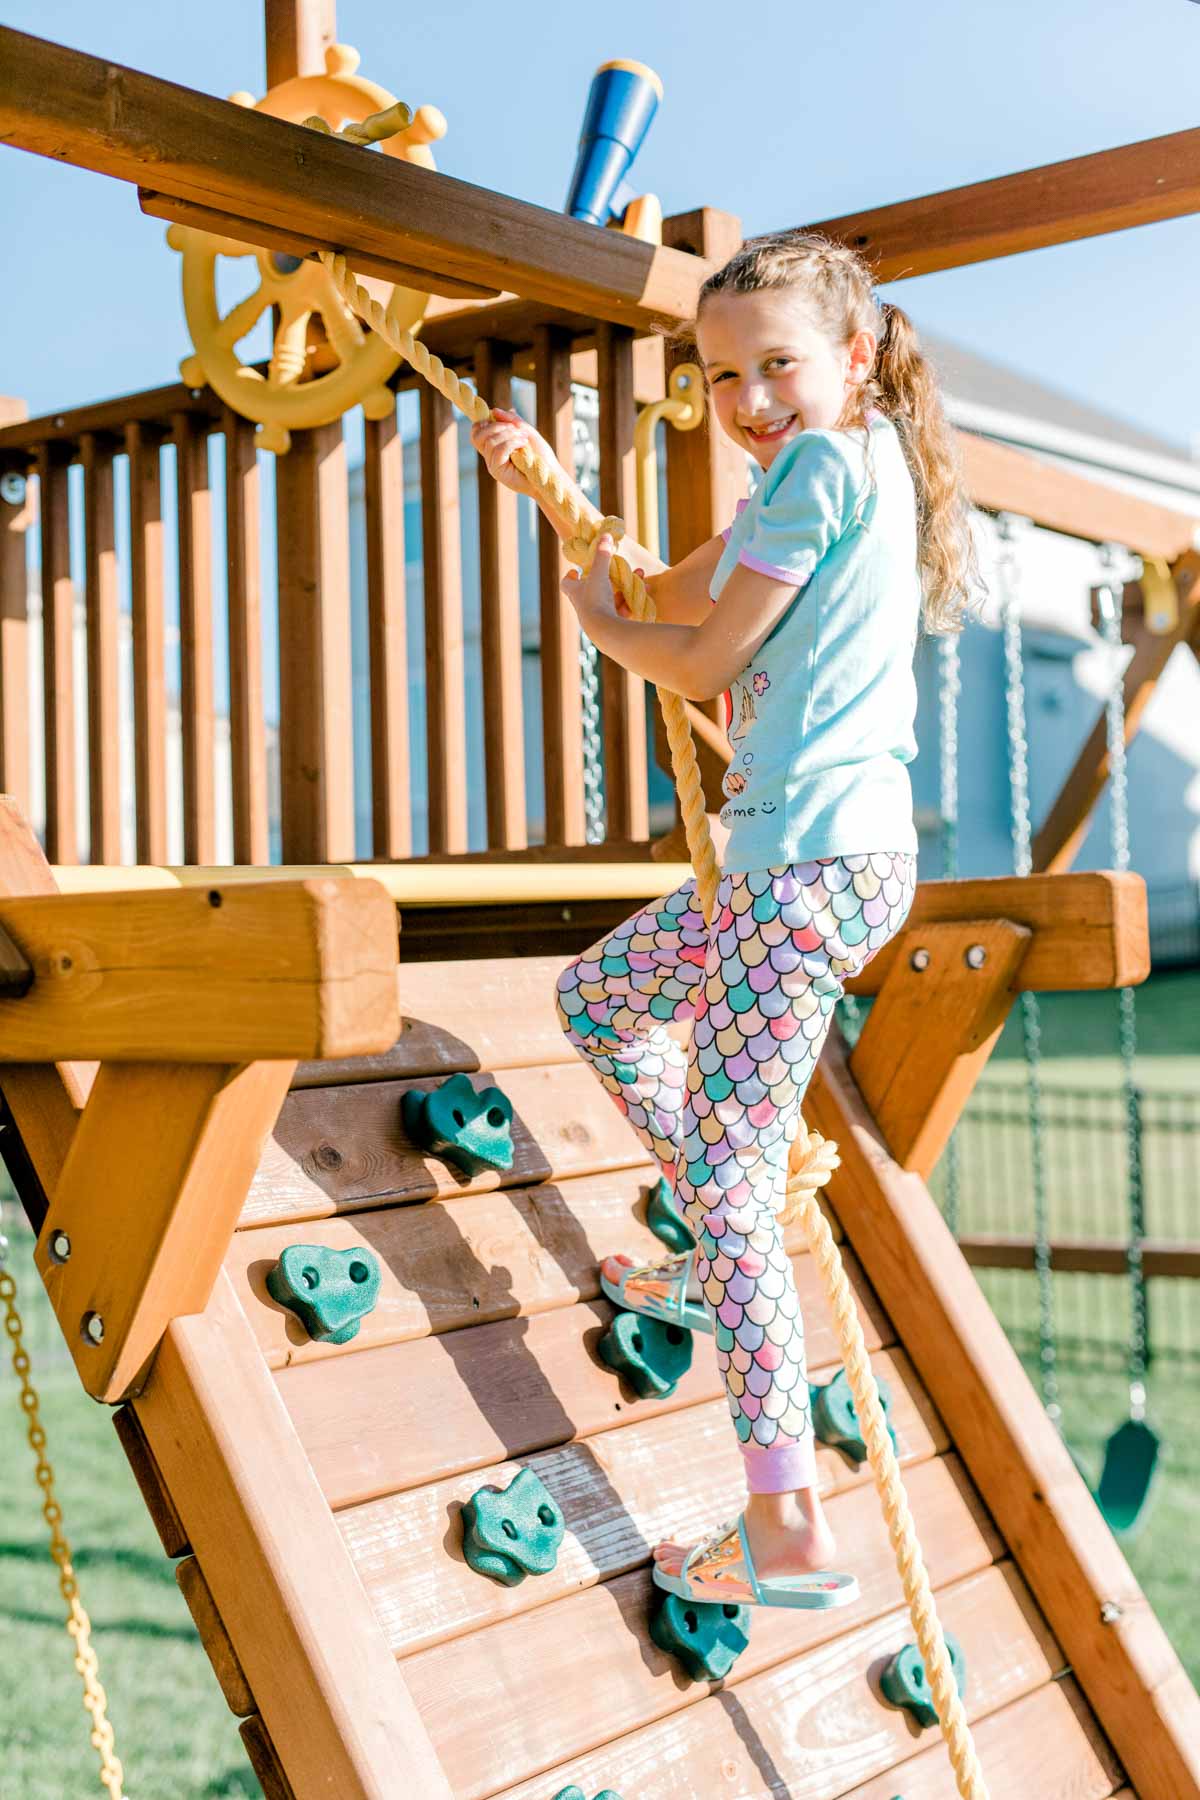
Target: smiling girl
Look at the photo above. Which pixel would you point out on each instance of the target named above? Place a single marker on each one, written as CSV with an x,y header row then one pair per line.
x,y
807,609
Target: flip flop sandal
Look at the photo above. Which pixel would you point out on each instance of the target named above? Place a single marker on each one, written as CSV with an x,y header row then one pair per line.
x,y
721,1569
659,1291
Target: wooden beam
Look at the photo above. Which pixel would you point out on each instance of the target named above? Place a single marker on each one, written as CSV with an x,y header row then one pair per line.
x,y
1061,834
82,109
193,514
1014,1455
500,625
223,974
445,681
20,441
1091,1257
298,33
951,993
15,519
1084,196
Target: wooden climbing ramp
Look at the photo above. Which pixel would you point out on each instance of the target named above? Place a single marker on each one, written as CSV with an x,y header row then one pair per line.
x,y
248,1100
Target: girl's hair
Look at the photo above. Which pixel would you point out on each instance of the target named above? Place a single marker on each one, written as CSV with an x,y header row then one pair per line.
x,y
835,285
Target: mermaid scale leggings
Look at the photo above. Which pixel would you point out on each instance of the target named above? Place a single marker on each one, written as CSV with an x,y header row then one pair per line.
x,y
760,986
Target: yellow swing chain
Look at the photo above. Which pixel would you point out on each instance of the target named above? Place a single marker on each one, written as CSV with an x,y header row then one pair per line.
x,y
813,1159
95,1701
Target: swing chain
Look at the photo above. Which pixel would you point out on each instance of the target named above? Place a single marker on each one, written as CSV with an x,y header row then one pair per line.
x,y
95,1701
1031,1017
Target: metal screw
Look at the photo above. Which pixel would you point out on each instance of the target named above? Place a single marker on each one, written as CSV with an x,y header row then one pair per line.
x,y
566,914
1110,1612
93,1328
683,381
12,488
60,1247
976,956
919,960
60,421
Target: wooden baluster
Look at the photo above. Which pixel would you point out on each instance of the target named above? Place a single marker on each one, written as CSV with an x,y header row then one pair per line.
x,y
500,627
316,746
562,717
14,633
194,527
58,685
247,729
149,678
445,723
391,773
624,695
100,590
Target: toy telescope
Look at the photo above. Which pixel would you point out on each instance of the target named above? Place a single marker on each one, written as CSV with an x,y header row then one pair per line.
x,y
622,102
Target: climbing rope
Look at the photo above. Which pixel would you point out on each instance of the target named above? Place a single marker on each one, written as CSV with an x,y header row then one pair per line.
x,y
95,1701
812,1158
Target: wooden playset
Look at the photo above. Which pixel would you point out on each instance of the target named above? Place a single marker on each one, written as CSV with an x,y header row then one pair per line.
x,y
324,1227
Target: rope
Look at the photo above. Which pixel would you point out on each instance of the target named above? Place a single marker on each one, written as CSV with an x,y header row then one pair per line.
x,y
812,1158
95,1701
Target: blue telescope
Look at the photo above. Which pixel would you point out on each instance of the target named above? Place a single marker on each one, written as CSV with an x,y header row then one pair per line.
x,y
623,100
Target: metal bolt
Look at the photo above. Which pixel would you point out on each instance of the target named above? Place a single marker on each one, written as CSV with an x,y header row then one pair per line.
x,y
683,381
12,488
60,1247
919,960
60,421
976,956
93,1328
566,914
1110,1612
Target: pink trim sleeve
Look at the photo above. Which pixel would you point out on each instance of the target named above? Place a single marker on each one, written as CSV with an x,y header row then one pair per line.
x,y
795,577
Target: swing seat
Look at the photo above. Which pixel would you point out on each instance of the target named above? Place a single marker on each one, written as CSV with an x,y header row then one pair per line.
x,y
1127,1477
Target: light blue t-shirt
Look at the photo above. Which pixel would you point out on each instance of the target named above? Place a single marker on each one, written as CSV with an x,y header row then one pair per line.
x,y
821,721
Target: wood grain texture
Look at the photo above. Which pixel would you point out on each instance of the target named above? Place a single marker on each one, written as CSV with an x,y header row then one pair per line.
x,y
500,625
164,1515
58,680
441,558
623,696
231,1677
101,601
206,975
619,1493
247,723
264,1760
297,35
391,776
193,514
148,629
406,1414
562,717
15,519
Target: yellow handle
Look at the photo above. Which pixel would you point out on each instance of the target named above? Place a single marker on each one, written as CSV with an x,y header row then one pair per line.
x,y
684,407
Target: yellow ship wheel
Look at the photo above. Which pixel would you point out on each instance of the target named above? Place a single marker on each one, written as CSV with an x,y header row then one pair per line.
x,y
289,395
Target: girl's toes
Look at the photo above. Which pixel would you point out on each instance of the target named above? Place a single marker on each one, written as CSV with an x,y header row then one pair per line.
x,y
613,1267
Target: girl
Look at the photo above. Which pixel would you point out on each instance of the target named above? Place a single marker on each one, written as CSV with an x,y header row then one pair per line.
x,y
857,526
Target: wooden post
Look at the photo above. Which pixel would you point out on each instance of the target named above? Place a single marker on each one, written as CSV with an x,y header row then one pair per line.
x,y
193,510
441,554
58,630
623,694
15,517
562,716
247,728
100,591
147,626
298,34
387,630
500,627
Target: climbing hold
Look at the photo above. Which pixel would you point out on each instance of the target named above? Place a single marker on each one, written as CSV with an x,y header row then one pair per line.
x,y
470,1127
665,1219
905,1683
835,1420
650,1355
330,1291
512,1532
706,1636
577,1793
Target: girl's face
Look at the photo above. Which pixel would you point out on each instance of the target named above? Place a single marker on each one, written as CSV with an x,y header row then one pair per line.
x,y
772,372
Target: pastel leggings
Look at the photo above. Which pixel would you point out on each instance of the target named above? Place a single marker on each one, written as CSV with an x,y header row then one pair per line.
x,y
760,986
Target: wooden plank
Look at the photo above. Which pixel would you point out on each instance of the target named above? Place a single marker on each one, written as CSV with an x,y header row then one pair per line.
x,y
16,517
193,512
1109,190
222,975
342,1149
298,33
100,591
951,995
1081,1581
653,1478
441,555
231,1677
151,407
1060,837
330,1694
264,1760
813,1725
164,1515
623,696
59,102
387,634
148,628
1090,934
58,681
247,724
1094,1257
562,716
500,625
494,1742
315,700
405,1414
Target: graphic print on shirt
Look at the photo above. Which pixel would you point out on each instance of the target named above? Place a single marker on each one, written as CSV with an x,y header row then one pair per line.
x,y
744,713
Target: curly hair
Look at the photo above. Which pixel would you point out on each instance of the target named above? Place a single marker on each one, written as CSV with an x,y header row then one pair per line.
x,y
836,286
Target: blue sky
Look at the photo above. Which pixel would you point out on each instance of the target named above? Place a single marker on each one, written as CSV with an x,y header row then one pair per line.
x,y
782,113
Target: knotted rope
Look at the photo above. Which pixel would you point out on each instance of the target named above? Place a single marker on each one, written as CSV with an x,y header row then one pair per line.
x,y
812,1158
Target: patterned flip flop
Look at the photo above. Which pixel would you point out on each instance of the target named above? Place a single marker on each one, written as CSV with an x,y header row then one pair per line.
x,y
721,1569
659,1291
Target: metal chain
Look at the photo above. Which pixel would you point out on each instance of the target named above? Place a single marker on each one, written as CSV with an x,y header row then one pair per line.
x,y
95,1701
949,689
1111,602
587,473
1008,572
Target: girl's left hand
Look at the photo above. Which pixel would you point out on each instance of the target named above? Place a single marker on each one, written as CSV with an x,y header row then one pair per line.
x,y
592,595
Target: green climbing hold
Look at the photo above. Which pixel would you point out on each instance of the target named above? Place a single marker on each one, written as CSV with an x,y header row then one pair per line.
x,y
905,1683
330,1291
665,1219
512,1532
648,1353
835,1420
706,1636
470,1127
577,1793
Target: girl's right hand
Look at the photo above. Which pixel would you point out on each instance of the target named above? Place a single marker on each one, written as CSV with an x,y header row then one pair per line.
x,y
498,437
